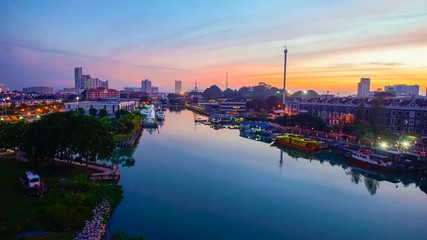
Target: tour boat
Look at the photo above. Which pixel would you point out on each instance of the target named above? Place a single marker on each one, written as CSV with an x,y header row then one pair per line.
x,y
371,160
298,142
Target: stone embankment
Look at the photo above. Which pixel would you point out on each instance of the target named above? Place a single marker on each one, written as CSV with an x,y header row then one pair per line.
x,y
96,227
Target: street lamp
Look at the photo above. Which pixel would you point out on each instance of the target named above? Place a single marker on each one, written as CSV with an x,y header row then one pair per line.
x,y
77,98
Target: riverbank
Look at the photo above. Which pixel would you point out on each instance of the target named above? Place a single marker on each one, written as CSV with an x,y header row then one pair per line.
x,y
62,211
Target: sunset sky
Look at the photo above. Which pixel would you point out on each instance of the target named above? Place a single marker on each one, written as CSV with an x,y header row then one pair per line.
x,y
331,43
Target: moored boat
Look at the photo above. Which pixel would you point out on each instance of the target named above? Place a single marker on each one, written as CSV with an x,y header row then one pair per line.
x,y
160,115
371,160
298,142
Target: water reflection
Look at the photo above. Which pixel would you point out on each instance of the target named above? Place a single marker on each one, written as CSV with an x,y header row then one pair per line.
x,y
370,178
122,156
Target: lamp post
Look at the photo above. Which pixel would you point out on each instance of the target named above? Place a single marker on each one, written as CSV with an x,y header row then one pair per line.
x,y
77,98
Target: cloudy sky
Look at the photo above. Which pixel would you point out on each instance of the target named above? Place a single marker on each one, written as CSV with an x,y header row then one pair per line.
x,y
331,43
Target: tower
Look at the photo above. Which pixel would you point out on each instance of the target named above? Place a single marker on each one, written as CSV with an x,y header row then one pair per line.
x,y
226,81
285,52
178,86
78,77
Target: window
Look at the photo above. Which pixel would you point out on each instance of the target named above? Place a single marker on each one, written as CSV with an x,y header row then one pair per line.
x,y
393,112
412,114
398,129
392,120
391,128
418,114
411,122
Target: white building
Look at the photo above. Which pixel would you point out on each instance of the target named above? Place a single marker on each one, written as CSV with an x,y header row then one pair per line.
x,y
110,106
178,86
403,90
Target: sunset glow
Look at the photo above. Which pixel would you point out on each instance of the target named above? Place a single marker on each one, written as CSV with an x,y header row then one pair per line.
x,y
332,44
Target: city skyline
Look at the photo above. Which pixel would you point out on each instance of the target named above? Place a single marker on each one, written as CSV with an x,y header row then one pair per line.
x,y
331,45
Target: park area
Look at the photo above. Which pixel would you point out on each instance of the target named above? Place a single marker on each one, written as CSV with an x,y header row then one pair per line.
x,y
61,211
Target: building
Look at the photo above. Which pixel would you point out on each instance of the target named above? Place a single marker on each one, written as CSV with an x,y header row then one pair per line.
x,y
41,90
233,106
78,77
101,93
363,88
400,115
110,106
403,90
178,86
146,86
3,88
103,84
131,89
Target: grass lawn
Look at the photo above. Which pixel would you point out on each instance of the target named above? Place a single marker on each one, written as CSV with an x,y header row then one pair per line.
x,y
20,213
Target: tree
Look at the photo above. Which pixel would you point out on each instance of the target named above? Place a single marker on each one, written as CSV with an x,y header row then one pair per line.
x,y
245,92
272,101
261,91
121,112
12,134
103,113
93,111
81,110
212,92
376,115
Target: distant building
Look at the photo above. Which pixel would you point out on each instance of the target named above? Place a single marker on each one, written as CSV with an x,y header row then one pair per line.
x,y
146,86
131,89
363,88
78,77
41,90
178,86
103,84
155,90
101,93
3,88
110,106
403,90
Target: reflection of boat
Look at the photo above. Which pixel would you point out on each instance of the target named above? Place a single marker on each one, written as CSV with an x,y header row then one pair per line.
x,y
294,153
256,137
298,142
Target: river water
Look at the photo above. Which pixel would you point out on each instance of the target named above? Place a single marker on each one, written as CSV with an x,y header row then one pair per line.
x,y
190,181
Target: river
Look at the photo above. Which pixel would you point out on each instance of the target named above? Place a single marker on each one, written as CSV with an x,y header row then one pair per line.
x,y
190,181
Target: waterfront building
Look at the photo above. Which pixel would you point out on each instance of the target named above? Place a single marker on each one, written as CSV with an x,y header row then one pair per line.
x,y
110,106
178,86
146,86
400,115
363,88
101,93
233,106
403,90
131,89
40,90
78,77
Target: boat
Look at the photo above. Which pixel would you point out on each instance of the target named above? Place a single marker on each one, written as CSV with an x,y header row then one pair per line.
x,y
371,160
298,142
160,115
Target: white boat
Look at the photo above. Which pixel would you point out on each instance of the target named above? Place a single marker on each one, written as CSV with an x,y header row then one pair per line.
x,y
160,115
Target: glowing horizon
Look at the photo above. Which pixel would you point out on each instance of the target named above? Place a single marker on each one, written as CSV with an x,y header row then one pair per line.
x,y
331,45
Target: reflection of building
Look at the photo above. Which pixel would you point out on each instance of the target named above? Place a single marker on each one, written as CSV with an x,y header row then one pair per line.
x,y
403,90
110,106
41,90
401,115
178,86
363,87
100,93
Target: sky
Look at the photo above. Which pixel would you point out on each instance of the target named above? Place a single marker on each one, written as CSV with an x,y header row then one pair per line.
x,y
331,43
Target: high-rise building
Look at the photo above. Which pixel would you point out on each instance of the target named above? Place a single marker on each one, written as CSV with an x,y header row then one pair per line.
x,y
78,77
146,86
403,90
363,87
3,88
178,86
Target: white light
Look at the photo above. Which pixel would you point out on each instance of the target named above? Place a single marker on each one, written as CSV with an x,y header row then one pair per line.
x,y
405,144
383,145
